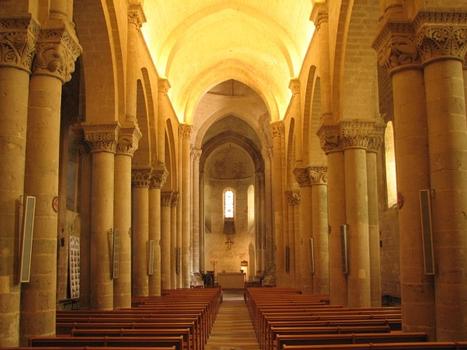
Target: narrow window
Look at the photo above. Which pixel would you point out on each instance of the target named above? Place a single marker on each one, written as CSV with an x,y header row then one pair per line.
x,y
228,204
391,182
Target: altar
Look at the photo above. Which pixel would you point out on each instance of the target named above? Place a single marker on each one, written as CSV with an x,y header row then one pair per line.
x,y
231,280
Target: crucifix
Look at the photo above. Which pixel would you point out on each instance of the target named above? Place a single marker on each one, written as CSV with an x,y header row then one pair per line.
x,y
229,243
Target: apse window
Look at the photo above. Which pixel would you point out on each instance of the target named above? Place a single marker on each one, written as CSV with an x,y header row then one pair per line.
x,y
228,204
390,157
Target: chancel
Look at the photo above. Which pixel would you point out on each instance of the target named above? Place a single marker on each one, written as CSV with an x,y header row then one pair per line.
x,y
210,174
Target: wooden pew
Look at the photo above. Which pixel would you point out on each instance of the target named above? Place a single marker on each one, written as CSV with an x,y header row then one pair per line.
x,y
90,348
384,346
323,339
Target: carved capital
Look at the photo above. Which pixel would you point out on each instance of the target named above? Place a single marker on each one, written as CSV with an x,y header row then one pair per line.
x,y
318,175
166,198
319,15
293,197
396,46
140,178
163,85
356,133
184,131
56,51
441,35
159,176
277,129
18,38
101,138
294,86
196,153
128,139
377,136
302,177
136,15
174,201
329,138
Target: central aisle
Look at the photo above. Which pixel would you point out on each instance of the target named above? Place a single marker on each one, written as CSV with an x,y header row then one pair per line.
x,y
232,329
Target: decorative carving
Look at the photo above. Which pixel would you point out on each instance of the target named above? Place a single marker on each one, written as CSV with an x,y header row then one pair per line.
x,y
184,131
136,15
159,176
18,42
319,15
318,175
175,196
140,178
294,86
164,86
329,138
302,177
196,153
277,129
377,136
128,139
356,133
293,197
396,46
101,138
56,52
166,198
441,35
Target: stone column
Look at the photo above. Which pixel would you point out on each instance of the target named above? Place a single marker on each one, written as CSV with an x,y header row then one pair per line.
x,y
196,209
441,41
56,52
140,179
329,137
179,244
354,135
259,221
185,133
306,232
17,44
102,140
277,130
166,202
293,243
158,177
374,145
135,20
397,52
173,239
320,228
126,146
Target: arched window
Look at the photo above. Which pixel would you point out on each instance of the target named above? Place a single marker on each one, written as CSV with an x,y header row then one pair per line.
x,y
229,201
391,181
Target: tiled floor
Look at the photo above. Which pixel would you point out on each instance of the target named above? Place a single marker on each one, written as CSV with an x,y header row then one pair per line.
x,y
233,329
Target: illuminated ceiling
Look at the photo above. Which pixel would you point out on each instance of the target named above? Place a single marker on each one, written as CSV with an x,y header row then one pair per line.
x,y
197,44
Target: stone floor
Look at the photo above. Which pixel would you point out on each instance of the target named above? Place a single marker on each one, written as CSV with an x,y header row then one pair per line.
x,y
233,329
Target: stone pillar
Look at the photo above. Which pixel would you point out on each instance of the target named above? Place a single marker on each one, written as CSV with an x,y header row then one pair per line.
x,y
329,137
196,209
277,130
306,233
397,52
102,140
293,243
17,44
126,146
158,177
135,20
56,52
320,228
441,41
173,239
375,143
354,135
140,179
185,133
166,202
259,221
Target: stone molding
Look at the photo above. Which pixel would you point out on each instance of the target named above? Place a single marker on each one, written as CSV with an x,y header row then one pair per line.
x,y
294,86
101,138
163,86
18,38
136,15
318,175
166,198
396,47
196,153
57,49
184,131
128,139
140,178
319,15
353,133
293,197
158,176
175,197
302,177
277,129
